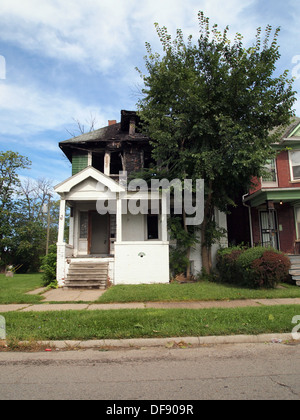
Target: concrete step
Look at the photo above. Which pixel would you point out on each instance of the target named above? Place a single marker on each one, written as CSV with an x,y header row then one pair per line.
x,y
87,275
294,258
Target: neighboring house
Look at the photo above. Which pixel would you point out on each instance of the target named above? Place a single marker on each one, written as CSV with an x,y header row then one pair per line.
x,y
108,239
274,203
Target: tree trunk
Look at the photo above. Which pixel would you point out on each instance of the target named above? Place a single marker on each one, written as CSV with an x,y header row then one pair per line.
x,y
205,252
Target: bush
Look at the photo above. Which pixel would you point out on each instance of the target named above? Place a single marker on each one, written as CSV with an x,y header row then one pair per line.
x,y
253,267
271,268
49,267
226,263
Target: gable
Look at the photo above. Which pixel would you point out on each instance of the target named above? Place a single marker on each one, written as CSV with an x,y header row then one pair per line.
x,y
88,183
295,132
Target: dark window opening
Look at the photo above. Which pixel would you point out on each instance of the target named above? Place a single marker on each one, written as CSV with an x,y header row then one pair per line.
x,y
152,226
98,161
115,163
148,160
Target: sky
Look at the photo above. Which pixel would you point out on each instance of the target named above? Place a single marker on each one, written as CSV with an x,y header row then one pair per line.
x,y
68,60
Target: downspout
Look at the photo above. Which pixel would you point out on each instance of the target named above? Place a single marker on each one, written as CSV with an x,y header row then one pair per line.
x,y
250,219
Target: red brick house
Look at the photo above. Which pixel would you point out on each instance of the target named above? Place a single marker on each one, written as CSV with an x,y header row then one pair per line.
x,y
274,203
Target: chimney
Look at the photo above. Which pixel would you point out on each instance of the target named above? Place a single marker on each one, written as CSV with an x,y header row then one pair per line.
x,y
112,122
132,127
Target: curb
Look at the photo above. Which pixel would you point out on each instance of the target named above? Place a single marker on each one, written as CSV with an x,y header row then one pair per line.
x,y
171,342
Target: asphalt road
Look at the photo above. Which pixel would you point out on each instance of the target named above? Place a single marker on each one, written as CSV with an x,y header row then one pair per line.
x,y
236,371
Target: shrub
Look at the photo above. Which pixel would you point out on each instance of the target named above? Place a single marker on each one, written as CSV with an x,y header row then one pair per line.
x,y
226,264
270,269
253,267
49,267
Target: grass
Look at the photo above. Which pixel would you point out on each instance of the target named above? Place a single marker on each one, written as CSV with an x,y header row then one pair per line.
x,y
134,323
13,290
193,292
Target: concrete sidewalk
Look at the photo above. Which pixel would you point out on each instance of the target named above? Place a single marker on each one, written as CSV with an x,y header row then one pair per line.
x,y
66,300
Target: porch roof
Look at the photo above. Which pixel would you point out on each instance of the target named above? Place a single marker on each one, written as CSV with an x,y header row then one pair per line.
x,y
89,172
291,195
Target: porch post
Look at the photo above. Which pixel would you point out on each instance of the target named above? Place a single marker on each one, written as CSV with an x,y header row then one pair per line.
x,y
119,218
164,217
61,224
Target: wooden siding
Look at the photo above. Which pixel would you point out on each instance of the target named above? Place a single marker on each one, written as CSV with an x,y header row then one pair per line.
x,y
79,162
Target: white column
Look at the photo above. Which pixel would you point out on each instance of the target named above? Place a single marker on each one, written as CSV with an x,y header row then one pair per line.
x,y
119,218
61,224
164,218
71,227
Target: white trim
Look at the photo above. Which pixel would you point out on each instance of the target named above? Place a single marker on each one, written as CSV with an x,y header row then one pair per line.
x,y
291,166
295,221
89,172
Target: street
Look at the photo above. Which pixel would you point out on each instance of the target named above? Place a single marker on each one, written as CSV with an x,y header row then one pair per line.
x,y
269,371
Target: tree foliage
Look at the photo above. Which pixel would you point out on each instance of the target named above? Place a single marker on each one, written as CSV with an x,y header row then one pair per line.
x,y
23,224
210,107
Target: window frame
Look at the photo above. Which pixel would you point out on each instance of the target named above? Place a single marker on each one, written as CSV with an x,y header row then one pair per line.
x,y
291,165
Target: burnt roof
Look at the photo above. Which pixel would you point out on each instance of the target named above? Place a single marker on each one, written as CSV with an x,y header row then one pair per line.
x,y
103,137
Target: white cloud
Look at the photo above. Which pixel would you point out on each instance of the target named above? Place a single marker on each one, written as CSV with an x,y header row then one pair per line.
x,y
100,34
26,111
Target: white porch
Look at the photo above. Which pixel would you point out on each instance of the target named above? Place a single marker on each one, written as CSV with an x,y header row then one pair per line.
x,y
101,227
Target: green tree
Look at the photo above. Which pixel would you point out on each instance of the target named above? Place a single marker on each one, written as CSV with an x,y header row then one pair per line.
x,y
209,108
10,164
31,223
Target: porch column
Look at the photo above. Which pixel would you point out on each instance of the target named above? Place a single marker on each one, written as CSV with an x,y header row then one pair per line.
x,y
119,218
71,227
164,218
61,224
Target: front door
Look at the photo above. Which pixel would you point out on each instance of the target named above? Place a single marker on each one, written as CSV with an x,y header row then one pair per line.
x,y
269,230
98,242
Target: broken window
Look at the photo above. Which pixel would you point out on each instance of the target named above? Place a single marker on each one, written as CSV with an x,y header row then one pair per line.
x,y
116,165
98,161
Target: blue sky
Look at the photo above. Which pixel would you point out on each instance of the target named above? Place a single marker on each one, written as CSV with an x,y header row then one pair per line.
x,y
66,60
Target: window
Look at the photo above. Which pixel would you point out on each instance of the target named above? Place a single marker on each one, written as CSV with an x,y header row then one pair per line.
x,y
270,168
152,226
84,220
115,163
297,219
295,164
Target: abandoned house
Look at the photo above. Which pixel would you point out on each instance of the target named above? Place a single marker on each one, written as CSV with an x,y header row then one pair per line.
x,y
118,246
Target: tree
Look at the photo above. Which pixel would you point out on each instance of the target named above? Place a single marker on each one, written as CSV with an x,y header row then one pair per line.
x,y
10,164
31,223
209,109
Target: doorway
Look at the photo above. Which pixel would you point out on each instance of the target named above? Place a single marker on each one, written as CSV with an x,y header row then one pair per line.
x,y
98,238
269,230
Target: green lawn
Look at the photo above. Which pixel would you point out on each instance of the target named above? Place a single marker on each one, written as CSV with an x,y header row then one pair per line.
x,y
13,290
193,292
127,323
116,324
